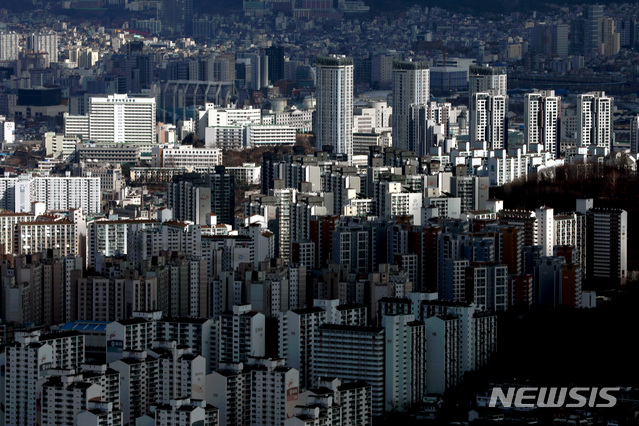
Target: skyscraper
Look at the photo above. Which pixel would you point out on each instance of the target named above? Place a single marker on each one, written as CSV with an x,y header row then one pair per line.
x,y
411,85
334,122
45,43
542,112
560,40
9,46
223,195
275,58
594,120
593,14
177,16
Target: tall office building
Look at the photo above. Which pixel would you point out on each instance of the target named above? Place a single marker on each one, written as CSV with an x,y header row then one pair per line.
x,y
411,86
223,195
542,112
9,46
334,119
484,79
594,120
45,43
121,119
488,119
634,134
275,59
177,16
560,40
607,246
610,37
593,15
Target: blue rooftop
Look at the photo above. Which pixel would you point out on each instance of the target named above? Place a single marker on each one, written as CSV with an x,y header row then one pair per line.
x,y
85,326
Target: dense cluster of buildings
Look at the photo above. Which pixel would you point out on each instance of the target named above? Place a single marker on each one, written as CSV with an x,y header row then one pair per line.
x,y
145,280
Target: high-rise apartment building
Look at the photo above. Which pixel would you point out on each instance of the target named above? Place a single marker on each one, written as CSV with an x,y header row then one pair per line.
x,y
488,105
352,353
240,333
411,86
405,369
259,391
334,119
35,236
298,331
27,365
488,122
607,246
44,42
180,372
135,334
9,46
594,120
138,383
64,397
193,196
56,192
459,339
542,112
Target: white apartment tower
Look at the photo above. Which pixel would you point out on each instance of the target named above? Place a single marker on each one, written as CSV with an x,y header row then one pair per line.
x,y
411,86
334,120
594,120
27,363
180,372
488,118
64,397
9,46
138,383
47,42
122,119
299,329
275,390
545,229
240,333
542,112
405,358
